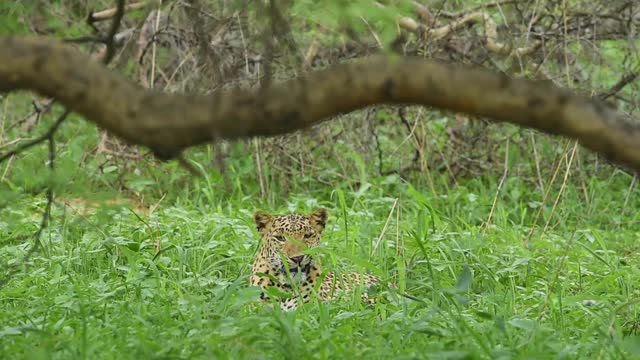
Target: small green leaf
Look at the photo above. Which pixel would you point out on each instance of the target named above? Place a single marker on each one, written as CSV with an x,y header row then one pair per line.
x,y
464,280
109,169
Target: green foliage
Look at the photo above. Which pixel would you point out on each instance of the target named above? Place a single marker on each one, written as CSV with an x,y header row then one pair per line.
x,y
359,16
11,23
97,289
126,282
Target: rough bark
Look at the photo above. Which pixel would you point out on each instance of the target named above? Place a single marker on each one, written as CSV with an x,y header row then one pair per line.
x,y
169,123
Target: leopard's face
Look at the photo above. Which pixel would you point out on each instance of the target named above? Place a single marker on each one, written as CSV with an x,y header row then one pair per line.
x,y
288,236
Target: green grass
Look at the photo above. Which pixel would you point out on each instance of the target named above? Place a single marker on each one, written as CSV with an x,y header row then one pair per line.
x,y
559,285
96,289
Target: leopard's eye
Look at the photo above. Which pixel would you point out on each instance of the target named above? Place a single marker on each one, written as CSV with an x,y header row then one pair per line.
x,y
280,238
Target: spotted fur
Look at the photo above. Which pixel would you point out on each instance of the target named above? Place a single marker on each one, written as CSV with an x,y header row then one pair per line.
x,y
285,237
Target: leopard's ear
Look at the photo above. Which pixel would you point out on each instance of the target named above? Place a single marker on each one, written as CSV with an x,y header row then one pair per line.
x,y
319,217
262,220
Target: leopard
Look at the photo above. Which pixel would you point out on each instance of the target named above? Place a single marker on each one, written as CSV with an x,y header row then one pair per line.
x,y
282,263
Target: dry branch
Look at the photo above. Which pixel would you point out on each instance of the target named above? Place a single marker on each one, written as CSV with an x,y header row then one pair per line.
x,y
170,123
490,30
109,13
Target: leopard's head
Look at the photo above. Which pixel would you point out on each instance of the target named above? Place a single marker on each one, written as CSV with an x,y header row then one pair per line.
x,y
288,236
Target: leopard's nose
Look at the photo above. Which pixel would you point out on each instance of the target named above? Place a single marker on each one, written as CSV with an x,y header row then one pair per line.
x,y
297,259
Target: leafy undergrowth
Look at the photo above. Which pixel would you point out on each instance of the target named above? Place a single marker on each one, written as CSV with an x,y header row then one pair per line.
x,y
484,269
561,285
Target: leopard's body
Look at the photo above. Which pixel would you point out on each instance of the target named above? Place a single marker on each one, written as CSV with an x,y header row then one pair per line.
x,y
285,237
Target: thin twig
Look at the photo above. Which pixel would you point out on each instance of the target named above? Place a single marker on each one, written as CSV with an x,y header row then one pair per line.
x,y
544,199
374,132
562,187
384,229
499,189
46,215
624,81
554,284
44,137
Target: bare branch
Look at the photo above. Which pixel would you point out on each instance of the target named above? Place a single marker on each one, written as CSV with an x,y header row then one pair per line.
x,y
40,139
490,29
110,13
624,81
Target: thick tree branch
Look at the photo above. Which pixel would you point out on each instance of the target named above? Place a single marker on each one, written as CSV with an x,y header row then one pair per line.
x,y
170,123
